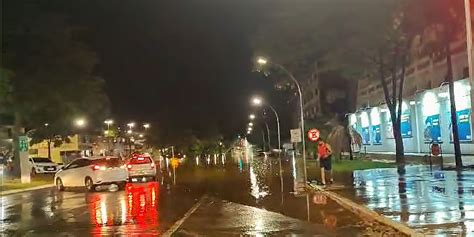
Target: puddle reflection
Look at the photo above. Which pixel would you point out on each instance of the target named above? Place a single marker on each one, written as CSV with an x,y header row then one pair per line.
x,y
439,202
135,211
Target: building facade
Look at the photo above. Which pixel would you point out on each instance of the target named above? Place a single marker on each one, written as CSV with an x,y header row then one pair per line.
x,y
425,116
311,98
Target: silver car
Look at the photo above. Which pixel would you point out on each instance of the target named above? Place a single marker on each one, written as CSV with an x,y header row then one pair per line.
x,y
141,168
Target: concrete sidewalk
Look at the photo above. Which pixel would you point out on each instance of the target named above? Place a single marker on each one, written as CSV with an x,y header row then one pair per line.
x,y
434,202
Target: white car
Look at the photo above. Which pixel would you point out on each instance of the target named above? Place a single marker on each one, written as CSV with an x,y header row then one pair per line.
x,y
141,168
42,165
92,172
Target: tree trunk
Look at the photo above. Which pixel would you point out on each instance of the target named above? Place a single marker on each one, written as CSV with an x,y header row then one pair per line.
x,y
399,149
49,149
349,137
454,122
17,132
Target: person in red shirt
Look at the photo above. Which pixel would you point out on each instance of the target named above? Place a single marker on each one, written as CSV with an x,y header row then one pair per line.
x,y
324,158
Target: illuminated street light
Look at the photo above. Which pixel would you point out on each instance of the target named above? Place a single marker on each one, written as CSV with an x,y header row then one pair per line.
x,y
108,122
131,125
141,135
261,61
248,132
129,131
46,124
257,101
250,129
250,124
252,116
80,122
146,125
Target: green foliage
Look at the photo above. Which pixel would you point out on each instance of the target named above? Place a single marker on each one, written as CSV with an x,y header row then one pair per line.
x,y
53,80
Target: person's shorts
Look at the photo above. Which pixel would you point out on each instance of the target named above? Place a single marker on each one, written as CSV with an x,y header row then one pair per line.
x,y
325,163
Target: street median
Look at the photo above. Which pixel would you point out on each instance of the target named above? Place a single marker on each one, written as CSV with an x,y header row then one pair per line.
x,y
15,186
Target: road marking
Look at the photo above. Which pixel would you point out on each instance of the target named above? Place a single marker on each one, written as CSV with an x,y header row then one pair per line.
x,y
178,223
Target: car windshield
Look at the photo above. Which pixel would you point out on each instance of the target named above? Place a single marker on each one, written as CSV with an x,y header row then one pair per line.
x,y
140,160
41,160
109,162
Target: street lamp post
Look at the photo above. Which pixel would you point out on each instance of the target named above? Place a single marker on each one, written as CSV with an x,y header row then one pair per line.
x,y
130,132
108,134
80,123
258,101
263,61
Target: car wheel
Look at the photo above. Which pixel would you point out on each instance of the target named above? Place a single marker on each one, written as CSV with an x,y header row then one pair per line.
x,y
59,184
89,184
122,185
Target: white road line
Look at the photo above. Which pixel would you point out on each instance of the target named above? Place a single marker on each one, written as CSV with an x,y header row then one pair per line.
x,y
178,223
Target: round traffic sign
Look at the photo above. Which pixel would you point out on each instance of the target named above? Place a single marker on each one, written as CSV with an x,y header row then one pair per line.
x,y
313,134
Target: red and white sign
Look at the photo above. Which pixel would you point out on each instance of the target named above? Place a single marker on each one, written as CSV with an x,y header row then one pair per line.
x,y
313,134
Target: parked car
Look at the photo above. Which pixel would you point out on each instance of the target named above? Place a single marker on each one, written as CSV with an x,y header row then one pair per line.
x,y
42,165
141,168
92,172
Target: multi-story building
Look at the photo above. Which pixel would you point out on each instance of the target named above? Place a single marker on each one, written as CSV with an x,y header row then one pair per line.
x,y
311,96
425,109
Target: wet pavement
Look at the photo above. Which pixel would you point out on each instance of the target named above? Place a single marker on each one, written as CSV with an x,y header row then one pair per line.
x,y
434,202
246,194
225,218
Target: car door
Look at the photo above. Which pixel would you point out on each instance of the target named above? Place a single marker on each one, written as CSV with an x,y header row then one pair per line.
x,y
67,173
81,172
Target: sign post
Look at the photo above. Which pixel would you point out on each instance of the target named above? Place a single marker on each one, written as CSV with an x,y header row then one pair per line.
x,y
23,147
314,135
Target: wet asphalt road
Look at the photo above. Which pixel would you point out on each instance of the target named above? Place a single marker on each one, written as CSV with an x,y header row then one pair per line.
x,y
244,195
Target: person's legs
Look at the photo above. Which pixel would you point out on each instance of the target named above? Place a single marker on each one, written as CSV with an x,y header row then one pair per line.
x,y
329,166
323,178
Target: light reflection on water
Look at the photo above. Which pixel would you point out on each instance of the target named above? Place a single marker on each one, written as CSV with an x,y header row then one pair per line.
x,y
438,202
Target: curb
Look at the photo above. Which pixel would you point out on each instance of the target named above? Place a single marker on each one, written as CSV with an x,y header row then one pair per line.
x,y
14,191
363,211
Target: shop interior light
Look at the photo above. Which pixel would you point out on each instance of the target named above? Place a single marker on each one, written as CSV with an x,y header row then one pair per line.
x,y
443,94
412,102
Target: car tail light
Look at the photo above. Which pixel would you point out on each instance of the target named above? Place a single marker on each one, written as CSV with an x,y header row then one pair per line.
x,y
98,167
129,166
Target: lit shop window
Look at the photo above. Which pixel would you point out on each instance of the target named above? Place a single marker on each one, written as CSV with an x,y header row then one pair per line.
x,y
375,119
364,120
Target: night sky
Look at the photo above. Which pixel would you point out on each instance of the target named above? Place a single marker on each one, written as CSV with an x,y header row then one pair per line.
x,y
181,65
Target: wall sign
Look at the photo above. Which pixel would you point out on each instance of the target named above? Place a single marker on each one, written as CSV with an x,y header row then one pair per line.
x,y
377,138
432,132
405,125
365,136
464,125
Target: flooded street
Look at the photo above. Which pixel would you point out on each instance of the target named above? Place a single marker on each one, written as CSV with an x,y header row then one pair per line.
x,y
255,181
243,195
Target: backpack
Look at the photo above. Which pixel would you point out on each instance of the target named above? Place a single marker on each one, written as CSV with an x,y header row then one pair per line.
x,y
324,150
